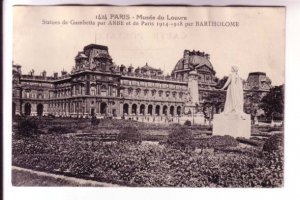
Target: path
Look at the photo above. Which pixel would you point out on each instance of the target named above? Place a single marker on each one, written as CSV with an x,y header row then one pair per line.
x,y
39,178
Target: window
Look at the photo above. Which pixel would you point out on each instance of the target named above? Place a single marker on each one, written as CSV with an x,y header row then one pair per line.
x,y
138,91
103,87
174,94
145,92
153,92
180,95
129,91
160,93
27,94
93,91
167,94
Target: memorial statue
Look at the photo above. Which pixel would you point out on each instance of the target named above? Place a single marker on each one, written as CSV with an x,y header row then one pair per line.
x,y
233,121
234,96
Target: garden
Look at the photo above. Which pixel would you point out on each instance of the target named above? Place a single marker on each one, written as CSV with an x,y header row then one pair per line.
x,y
148,155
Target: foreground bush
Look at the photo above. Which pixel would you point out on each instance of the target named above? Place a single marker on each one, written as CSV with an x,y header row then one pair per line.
x,y
216,141
129,134
274,143
180,138
187,123
147,165
60,130
95,121
27,127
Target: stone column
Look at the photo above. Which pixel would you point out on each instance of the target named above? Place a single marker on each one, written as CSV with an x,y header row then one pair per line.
x,y
121,109
138,109
46,109
18,108
193,87
161,110
129,108
33,109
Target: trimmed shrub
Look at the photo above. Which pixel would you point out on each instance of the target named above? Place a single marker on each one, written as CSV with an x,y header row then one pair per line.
x,y
95,121
180,138
187,123
27,127
216,141
274,143
60,129
251,142
129,134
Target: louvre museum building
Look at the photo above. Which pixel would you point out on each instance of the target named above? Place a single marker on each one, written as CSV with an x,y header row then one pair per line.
x,y
98,87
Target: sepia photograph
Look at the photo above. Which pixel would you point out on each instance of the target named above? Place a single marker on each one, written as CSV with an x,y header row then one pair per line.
x,y
148,96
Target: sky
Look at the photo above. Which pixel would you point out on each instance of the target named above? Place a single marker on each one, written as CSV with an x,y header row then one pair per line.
x,y
257,44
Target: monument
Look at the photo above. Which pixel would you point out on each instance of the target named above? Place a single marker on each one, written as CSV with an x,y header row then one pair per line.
x,y
233,121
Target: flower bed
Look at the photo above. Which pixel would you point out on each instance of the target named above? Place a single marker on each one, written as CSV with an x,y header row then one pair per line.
x,y
147,164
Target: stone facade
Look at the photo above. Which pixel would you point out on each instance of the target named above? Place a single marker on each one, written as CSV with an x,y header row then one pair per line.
x,y
98,87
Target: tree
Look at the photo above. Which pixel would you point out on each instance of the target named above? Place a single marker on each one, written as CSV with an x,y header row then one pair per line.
x,y
27,127
221,82
273,102
252,102
213,103
129,134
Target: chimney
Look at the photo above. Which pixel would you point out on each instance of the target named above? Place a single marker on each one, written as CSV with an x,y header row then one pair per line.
x,y
44,73
186,54
55,75
123,68
207,56
31,72
63,73
130,68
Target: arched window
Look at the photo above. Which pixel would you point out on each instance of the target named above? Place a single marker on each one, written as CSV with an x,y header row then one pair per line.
x,y
165,110
157,110
172,110
125,108
103,108
150,107
27,109
40,109
178,110
134,109
142,109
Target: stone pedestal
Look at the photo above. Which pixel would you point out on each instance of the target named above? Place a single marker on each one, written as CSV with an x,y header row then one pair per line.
x,y
232,124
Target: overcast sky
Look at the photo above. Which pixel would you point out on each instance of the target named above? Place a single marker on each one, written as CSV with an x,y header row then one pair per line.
x,y
256,45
